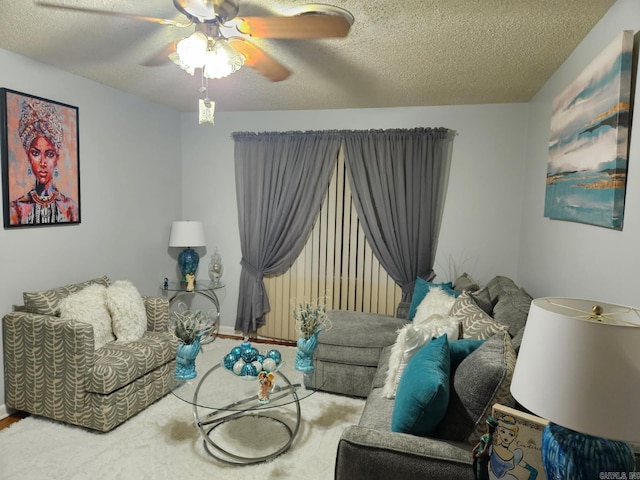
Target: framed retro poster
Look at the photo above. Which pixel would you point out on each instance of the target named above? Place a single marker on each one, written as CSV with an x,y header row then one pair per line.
x,y
40,161
515,452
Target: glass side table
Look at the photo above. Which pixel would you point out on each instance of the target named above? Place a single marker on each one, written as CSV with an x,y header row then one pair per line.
x,y
206,296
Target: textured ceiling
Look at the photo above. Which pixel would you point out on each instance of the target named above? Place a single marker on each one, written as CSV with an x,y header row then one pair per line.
x,y
403,53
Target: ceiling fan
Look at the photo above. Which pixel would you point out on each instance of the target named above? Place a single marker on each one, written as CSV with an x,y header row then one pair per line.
x,y
211,17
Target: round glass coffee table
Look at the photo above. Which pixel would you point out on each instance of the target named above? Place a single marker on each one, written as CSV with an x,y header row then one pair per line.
x,y
236,426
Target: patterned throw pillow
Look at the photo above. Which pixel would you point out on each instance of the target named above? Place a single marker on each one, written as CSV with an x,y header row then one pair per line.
x,y
46,302
88,306
128,313
475,322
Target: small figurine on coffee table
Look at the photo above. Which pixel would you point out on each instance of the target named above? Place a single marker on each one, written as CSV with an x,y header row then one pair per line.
x,y
481,451
266,382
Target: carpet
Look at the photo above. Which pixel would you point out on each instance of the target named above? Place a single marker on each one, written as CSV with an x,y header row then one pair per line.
x,y
161,442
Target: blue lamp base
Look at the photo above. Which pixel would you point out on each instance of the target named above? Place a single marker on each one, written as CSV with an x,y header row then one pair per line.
x,y
188,263
570,454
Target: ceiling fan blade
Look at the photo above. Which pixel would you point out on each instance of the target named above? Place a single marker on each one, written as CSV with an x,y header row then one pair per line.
x,y
161,21
258,59
161,57
313,25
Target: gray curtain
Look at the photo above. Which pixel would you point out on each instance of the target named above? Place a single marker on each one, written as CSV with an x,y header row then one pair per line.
x,y
398,181
281,179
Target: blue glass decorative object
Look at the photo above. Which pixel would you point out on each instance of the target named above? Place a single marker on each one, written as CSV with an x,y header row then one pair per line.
x,y
260,358
570,454
248,369
275,355
188,262
186,360
304,352
229,361
249,354
236,352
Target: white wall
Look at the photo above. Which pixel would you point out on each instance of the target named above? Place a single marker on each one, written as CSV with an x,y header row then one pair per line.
x,y
130,188
481,223
569,259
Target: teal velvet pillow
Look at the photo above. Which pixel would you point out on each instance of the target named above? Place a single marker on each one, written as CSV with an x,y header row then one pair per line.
x,y
420,291
422,397
461,349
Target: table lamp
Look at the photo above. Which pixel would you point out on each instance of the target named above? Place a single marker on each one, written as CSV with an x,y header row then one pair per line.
x,y
187,234
579,368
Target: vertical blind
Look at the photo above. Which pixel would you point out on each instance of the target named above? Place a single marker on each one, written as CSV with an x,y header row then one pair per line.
x,y
336,265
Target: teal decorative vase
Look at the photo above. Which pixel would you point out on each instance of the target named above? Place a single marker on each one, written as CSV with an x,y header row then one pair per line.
x,y
304,352
570,454
186,360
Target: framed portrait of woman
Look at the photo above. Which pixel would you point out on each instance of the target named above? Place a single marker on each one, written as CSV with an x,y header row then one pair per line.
x,y
40,161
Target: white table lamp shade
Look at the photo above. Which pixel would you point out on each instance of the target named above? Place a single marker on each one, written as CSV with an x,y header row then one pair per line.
x,y
187,234
581,373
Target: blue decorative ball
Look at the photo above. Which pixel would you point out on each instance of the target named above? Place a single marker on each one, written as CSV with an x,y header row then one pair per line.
x,y
229,360
260,357
275,355
237,352
249,355
249,370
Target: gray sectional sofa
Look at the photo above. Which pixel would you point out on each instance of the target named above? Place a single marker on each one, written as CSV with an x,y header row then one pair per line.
x,y
352,359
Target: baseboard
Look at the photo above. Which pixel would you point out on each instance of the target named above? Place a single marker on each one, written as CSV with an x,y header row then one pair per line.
x,y
4,413
230,332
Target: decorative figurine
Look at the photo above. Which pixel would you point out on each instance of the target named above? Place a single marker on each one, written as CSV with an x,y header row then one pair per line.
x,y
216,268
165,284
191,280
266,382
481,451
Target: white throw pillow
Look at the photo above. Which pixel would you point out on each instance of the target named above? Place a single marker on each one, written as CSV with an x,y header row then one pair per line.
x,y
128,314
88,306
435,302
412,338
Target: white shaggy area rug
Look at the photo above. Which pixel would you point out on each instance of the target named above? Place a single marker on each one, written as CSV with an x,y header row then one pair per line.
x,y
161,442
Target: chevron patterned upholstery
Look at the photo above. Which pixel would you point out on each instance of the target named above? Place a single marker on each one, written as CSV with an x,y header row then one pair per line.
x,y
52,370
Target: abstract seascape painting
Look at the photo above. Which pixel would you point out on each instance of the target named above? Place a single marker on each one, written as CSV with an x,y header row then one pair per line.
x,y
588,146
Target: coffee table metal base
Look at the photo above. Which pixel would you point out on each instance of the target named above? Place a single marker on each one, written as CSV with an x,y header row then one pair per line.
x,y
213,423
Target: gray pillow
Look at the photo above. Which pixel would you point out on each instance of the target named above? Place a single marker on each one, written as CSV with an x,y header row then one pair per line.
x,y
482,379
510,303
483,300
465,282
47,302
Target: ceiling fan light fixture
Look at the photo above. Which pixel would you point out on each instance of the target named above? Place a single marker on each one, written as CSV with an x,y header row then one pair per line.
x,y
221,60
190,52
216,57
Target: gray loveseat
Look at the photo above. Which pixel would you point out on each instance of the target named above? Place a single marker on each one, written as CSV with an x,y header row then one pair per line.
x,y
352,359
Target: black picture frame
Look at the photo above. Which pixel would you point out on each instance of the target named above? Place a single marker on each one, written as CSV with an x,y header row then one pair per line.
x,y
40,148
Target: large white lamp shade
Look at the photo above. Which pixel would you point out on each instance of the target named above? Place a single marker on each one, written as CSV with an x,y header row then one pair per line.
x,y
578,367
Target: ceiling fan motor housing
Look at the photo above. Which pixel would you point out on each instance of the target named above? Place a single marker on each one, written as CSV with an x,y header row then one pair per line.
x,y
204,11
